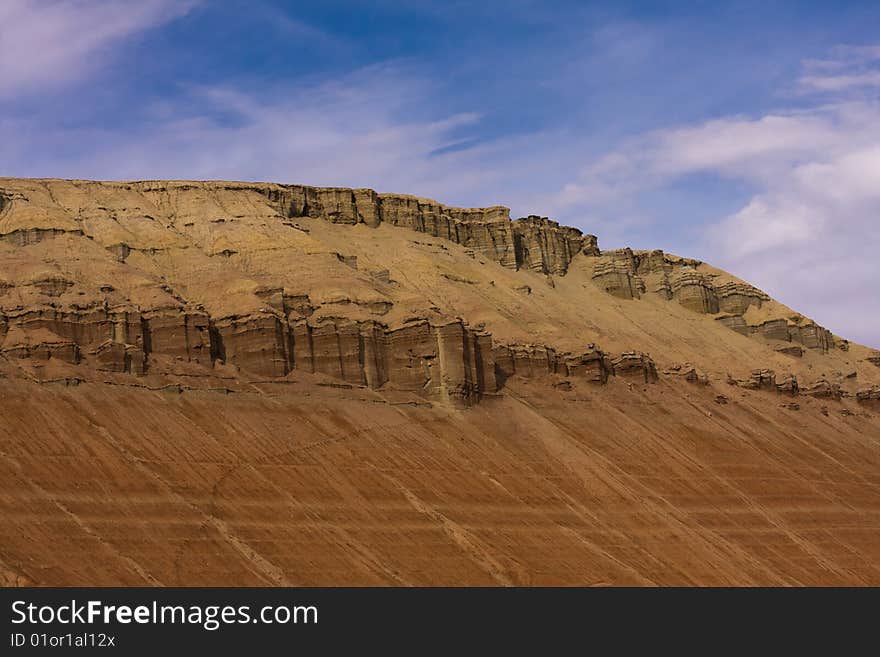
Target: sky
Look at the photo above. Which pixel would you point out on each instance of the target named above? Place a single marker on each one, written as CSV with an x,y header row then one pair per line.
x,y
745,134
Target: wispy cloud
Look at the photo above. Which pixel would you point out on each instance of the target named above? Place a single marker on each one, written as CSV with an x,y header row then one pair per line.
x,y
808,232
847,68
807,176
354,130
47,43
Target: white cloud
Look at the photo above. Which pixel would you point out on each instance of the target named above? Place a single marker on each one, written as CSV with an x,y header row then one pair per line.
x,y
807,231
810,231
841,82
849,68
356,130
738,147
49,42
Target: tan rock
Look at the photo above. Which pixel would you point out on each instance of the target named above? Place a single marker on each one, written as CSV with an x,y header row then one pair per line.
x,y
694,291
633,364
823,388
736,298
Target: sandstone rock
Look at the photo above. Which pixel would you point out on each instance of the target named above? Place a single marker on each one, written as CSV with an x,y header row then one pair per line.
x,y
736,298
787,385
663,288
775,329
52,285
526,360
539,360
178,332
488,231
694,291
760,379
117,357
633,364
735,323
689,373
141,309
543,246
39,344
349,261
869,395
874,358
446,362
592,365
121,251
590,245
808,334
651,262
822,388
791,350
615,277
338,370
449,361
812,336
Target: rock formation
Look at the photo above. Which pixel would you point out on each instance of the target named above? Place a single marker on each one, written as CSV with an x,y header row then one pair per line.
x,y
126,315
736,298
629,274
252,383
536,243
616,278
694,291
869,396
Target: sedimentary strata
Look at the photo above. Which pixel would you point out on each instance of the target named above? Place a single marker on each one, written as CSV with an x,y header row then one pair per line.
x,y
216,275
535,243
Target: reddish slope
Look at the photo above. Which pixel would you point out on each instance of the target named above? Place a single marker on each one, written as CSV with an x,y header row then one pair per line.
x,y
595,485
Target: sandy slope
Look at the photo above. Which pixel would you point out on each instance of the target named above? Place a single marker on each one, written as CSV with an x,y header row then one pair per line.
x,y
109,485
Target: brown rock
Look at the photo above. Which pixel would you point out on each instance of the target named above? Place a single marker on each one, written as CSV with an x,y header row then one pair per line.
x,y
735,323
689,373
760,379
543,246
736,298
787,385
694,291
870,396
823,388
633,364
614,274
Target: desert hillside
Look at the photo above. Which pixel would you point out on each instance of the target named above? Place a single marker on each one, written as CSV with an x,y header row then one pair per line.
x,y
255,383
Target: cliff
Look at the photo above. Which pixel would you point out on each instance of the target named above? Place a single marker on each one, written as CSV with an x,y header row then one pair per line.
x,y
270,278
256,309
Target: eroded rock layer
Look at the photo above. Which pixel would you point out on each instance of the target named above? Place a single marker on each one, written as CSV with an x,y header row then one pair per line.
x,y
536,243
243,383
215,275
629,274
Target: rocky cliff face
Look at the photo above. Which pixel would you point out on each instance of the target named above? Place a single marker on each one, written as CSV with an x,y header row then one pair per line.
x,y
629,275
535,243
245,383
201,276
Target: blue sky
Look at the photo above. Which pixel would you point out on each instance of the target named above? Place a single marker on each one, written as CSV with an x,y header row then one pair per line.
x,y
744,133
